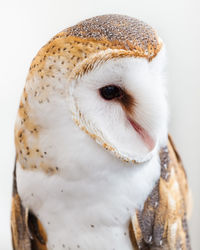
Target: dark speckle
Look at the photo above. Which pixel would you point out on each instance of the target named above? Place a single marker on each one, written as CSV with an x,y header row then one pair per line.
x,y
92,226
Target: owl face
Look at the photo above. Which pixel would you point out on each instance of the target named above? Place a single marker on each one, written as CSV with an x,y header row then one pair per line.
x,y
121,104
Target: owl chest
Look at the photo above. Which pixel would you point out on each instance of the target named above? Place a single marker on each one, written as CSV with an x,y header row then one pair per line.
x,y
87,211
77,215
87,219
88,229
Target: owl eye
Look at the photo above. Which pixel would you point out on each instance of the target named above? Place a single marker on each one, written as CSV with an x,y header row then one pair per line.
x,y
110,92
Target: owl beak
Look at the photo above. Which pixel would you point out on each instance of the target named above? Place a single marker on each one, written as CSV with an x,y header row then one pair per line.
x,y
148,140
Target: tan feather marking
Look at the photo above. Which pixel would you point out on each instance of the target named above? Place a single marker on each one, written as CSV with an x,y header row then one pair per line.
x,y
20,236
27,135
24,130
96,60
132,235
137,230
69,51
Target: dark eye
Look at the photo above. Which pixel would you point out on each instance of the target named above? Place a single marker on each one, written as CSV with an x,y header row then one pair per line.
x,y
110,92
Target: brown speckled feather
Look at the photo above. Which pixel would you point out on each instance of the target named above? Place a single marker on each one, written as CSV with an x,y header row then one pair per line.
x,y
27,231
162,224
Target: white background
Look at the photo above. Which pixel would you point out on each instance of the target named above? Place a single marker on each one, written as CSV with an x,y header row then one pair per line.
x,y
26,25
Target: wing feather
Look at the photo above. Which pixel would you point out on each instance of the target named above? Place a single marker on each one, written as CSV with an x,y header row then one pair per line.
x,y
27,231
162,223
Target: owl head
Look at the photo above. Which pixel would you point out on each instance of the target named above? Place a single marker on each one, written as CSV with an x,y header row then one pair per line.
x,y
106,75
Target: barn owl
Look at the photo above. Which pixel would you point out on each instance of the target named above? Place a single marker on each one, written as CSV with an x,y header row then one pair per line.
x,y
95,168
